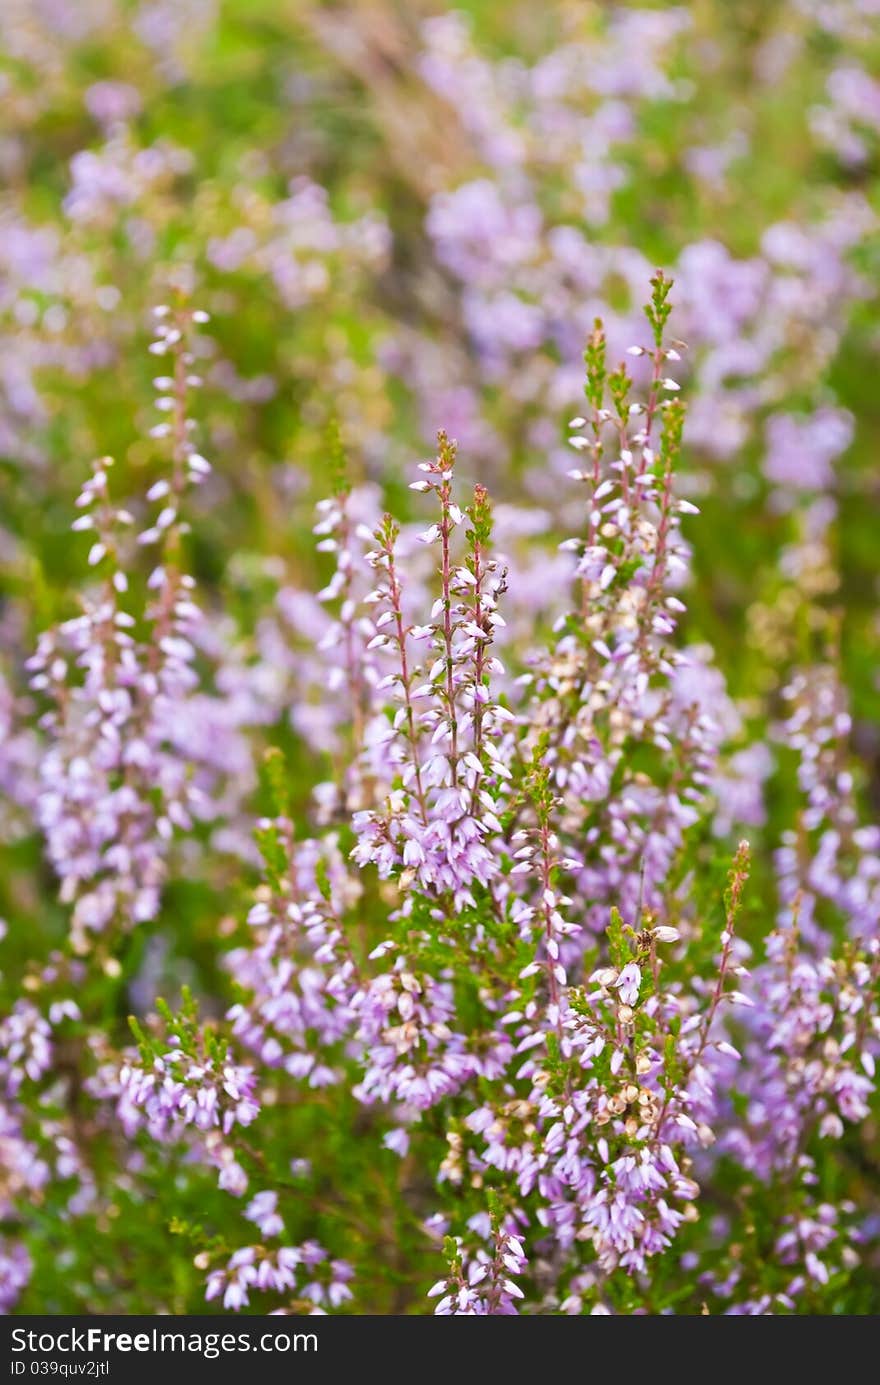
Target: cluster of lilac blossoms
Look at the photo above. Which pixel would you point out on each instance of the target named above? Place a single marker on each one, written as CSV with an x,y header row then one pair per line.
x,y
36,1144
802,1073
25,1054
830,859
481,1284
612,678
305,1273
176,1091
446,730
125,764
299,968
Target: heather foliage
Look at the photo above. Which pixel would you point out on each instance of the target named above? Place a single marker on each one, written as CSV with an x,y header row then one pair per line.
x,y
438,735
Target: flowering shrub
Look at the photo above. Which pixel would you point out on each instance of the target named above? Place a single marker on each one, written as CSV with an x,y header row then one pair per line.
x,y
473,906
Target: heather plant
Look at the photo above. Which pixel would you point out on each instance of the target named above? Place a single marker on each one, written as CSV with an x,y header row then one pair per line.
x,y
443,885
132,751
491,946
